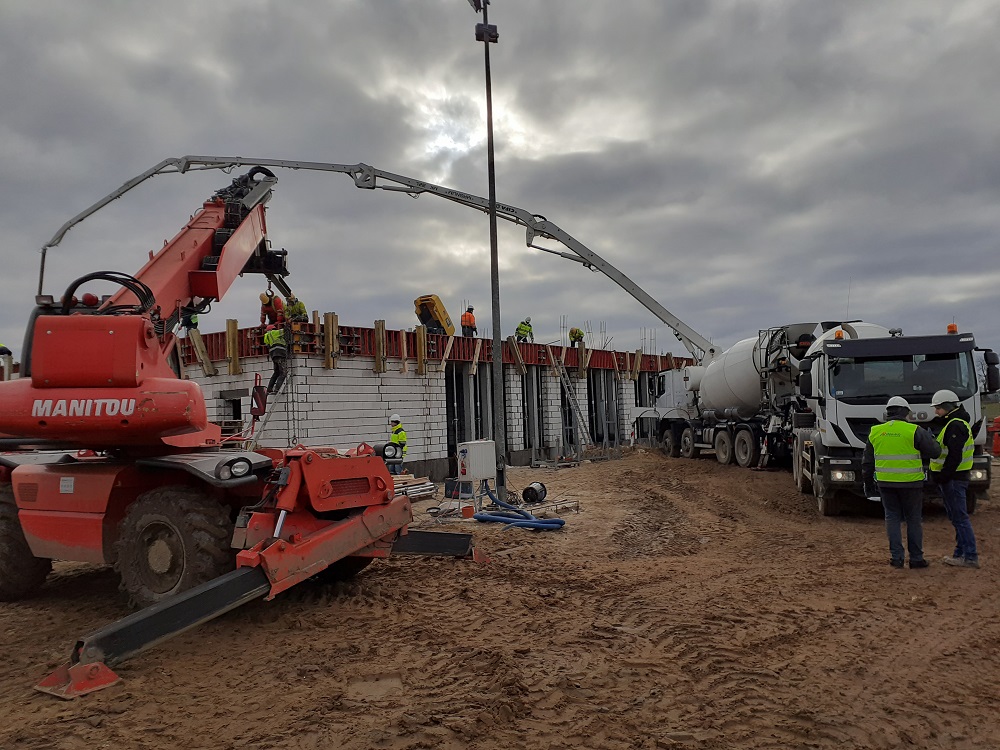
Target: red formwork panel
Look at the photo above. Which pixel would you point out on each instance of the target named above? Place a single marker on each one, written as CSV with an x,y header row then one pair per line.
x,y
359,341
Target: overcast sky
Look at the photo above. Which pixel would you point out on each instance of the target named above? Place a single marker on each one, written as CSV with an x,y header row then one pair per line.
x,y
749,163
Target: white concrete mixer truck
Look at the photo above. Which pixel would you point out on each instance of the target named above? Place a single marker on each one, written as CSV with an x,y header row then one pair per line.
x,y
807,395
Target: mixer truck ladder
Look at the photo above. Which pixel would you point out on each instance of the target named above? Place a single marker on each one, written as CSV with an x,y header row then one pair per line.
x,y
563,376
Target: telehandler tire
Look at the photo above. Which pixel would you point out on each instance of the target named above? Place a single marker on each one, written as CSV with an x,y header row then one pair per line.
x,y
21,573
172,539
344,569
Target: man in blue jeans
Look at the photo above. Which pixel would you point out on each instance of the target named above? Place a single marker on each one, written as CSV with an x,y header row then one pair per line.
x,y
894,458
951,471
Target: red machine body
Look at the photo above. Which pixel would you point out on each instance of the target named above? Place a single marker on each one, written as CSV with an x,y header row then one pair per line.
x,y
114,460
106,380
141,470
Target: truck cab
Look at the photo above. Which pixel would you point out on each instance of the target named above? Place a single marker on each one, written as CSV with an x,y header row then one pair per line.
x,y
846,382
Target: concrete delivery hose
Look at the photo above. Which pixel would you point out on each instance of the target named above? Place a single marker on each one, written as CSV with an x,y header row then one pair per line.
x,y
516,517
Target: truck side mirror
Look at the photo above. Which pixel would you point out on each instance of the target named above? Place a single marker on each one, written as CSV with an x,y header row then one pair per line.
x,y
992,359
806,384
805,378
258,400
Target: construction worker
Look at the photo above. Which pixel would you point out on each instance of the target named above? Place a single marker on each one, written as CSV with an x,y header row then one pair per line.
x,y
295,309
272,309
575,336
277,350
397,435
469,322
524,332
189,318
951,471
893,467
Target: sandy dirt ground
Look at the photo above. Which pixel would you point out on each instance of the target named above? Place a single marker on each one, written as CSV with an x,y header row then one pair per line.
x,y
686,605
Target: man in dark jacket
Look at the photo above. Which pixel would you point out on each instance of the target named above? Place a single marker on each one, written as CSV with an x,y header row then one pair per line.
x,y
951,471
894,458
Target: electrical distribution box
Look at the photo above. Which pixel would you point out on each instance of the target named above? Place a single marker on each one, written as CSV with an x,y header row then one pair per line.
x,y
477,460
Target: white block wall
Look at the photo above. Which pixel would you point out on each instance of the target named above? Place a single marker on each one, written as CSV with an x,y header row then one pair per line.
x,y
552,411
345,406
626,409
515,412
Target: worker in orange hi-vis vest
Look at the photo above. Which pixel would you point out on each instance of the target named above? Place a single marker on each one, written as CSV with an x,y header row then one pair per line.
x,y
272,309
469,322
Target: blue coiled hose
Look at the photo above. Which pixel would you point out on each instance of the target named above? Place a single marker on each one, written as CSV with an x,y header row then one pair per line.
x,y
512,516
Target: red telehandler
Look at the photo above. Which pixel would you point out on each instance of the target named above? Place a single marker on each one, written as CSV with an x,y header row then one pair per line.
x,y
110,457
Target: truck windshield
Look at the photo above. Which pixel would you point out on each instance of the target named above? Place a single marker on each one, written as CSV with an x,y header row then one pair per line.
x,y
870,380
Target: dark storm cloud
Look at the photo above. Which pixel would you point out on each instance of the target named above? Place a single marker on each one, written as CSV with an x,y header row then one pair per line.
x,y
748,163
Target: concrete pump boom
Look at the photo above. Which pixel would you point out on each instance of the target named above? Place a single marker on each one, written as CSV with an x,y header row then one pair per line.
x,y
368,177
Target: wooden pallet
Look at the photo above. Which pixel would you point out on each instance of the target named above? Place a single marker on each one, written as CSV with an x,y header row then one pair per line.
x,y
413,487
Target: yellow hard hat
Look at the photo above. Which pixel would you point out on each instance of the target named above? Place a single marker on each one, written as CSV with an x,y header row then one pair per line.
x,y
264,298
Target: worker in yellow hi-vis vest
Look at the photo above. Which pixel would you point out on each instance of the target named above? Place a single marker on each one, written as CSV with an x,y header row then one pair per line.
x,y
397,435
951,471
894,460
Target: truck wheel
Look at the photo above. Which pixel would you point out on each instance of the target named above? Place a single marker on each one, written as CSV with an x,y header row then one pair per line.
x,y
171,540
21,573
724,447
970,501
669,445
688,448
746,449
826,499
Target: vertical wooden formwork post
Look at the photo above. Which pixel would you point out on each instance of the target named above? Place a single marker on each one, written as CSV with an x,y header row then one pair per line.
x,y
201,352
380,356
233,346
636,365
447,352
402,351
475,357
331,340
581,367
421,332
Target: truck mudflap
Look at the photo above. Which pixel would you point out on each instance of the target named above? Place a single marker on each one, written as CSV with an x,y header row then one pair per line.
x,y
89,667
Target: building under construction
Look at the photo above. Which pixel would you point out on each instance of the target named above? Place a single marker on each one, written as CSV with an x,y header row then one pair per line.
x,y
345,381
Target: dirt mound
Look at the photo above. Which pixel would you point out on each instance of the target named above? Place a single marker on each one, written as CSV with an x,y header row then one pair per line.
x,y
687,605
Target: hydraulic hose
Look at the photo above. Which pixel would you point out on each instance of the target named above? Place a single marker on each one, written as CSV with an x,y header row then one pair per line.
x,y
516,517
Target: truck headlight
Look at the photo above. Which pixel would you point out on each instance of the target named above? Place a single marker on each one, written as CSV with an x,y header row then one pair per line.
x,y
977,475
233,468
839,475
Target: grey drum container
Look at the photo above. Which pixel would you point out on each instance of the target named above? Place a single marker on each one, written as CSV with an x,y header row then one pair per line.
x,y
731,384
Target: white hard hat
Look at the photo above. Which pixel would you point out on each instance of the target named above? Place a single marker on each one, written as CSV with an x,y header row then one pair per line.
x,y
395,418
897,401
944,397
